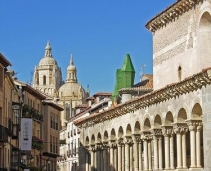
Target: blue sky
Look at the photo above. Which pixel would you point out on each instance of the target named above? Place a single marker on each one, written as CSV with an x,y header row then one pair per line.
x,y
99,33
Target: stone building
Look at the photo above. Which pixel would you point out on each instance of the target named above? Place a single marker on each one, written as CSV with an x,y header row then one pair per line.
x,y
169,127
9,145
45,115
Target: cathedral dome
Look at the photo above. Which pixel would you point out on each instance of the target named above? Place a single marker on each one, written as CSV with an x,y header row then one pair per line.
x,y
47,61
71,68
48,58
71,90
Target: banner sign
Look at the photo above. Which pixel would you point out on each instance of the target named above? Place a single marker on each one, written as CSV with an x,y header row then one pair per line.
x,y
26,134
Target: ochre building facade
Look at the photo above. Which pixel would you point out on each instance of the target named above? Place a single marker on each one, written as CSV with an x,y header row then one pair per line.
x,y
170,127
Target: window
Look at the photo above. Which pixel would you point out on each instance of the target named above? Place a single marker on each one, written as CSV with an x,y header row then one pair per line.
x,y
179,74
44,80
51,145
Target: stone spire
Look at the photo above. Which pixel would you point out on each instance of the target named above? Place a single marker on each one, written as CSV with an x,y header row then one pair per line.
x,y
71,71
48,50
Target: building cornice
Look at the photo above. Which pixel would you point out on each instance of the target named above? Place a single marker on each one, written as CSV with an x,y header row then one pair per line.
x,y
170,14
174,90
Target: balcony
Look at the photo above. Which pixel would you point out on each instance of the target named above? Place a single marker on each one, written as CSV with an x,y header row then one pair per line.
x,y
3,134
29,112
37,143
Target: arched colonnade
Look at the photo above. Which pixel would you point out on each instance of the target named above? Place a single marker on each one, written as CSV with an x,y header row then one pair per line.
x,y
160,144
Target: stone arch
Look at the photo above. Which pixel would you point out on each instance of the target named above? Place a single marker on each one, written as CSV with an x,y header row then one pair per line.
x,y
157,121
204,39
147,124
196,112
137,127
113,134
99,138
87,141
93,139
128,130
105,136
169,119
120,132
182,115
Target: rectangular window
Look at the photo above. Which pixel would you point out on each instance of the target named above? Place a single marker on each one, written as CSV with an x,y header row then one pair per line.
x,y
51,145
54,147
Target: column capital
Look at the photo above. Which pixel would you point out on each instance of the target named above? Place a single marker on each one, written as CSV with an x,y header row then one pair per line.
x,y
180,127
128,140
146,136
193,124
120,141
92,147
112,143
157,132
136,138
167,130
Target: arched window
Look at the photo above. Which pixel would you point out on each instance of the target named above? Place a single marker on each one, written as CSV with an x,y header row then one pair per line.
x,y
44,80
179,73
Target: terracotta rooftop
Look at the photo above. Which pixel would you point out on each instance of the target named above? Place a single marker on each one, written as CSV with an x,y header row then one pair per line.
x,y
102,94
145,85
81,106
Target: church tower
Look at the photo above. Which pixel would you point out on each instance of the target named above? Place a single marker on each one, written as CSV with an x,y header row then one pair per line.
x,y
47,75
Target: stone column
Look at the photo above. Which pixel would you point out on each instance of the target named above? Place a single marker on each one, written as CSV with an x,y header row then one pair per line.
x,y
160,148
198,145
136,140
120,143
98,157
147,138
192,129
87,161
146,165
115,157
181,129
123,156
105,156
179,147
195,145
157,133
119,157
127,161
172,151
184,150
92,158
150,155
140,155
102,157
128,140
167,130
111,155
131,156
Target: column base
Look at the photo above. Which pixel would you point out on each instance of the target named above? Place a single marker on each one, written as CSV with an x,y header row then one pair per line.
x,y
182,169
196,169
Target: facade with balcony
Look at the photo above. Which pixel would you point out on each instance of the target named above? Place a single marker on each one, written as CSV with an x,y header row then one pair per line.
x,y
9,111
